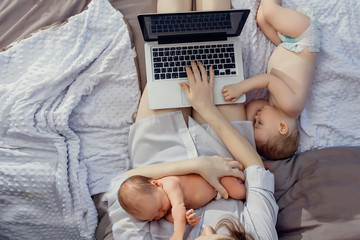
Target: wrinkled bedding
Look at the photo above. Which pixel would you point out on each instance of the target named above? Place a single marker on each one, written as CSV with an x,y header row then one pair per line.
x,y
19,18
318,194
63,131
68,96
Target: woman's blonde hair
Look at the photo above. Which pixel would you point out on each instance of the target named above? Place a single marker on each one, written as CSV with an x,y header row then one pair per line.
x,y
234,228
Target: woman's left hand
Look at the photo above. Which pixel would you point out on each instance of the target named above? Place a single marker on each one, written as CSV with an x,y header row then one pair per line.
x,y
212,168
200,90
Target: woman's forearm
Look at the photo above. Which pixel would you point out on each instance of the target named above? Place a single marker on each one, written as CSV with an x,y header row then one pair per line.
x,y
200,94
166,169
239,146
210,167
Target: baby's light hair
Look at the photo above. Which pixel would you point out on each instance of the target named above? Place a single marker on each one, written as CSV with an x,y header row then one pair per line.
x,y
132,190
280,146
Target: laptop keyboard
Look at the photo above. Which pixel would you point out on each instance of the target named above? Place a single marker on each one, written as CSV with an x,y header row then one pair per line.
x,y
170,62
190,23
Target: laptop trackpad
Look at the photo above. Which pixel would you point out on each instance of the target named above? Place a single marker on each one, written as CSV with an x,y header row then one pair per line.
x,y
184,99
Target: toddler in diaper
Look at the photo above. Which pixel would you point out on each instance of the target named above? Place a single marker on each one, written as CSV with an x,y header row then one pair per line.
x,y
152,199
310,38
288,79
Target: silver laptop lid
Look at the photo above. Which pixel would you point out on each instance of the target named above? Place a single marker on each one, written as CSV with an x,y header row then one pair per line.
x,y
192,26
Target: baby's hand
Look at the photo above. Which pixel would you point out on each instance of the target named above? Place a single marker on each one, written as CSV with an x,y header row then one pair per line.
x,y
231,92
190,218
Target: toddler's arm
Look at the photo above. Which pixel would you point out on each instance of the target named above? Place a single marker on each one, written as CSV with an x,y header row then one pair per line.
x,y
257,82
281,95
234,91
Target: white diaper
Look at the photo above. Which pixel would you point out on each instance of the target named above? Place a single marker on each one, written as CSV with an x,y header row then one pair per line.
x,y
310,38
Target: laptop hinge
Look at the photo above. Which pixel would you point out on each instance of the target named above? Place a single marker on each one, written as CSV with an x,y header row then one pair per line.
x,y
206,37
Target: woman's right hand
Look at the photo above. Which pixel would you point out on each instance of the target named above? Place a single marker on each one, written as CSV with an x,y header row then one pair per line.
x,y
215,167
199,91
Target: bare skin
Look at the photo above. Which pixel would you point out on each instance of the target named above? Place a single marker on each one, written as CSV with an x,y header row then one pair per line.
x,y
289,74
186,5
177,193
197,192
164,6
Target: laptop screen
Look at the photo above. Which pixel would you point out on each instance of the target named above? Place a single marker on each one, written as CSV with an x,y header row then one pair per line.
x,y
162,25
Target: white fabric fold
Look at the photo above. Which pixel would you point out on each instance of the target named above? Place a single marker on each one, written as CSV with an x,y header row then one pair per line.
x,y
68,95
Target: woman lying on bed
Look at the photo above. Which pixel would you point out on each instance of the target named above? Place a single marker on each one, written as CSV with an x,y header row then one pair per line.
x,y
160,135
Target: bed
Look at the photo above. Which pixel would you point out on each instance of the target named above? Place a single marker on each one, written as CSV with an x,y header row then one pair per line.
x,y
71,75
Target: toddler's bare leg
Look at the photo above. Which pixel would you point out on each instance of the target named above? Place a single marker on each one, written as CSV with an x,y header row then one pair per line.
x,y
286,21
235,189
266,28
164,6
144,110
210,5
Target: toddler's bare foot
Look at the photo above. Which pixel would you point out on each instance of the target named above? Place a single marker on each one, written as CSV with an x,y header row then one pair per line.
x,y
259,17
259,13
231,92
274,1
269,2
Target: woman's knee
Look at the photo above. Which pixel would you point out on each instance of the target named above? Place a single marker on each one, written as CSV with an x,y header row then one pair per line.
x,y
164,6
210,5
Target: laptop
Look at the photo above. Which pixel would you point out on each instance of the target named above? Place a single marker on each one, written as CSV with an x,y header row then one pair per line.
x,y
172,40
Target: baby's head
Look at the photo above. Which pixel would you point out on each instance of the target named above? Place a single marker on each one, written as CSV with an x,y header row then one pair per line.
x,y
276,134
143,198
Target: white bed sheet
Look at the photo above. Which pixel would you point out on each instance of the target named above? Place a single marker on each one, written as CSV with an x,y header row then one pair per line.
x,y
68,96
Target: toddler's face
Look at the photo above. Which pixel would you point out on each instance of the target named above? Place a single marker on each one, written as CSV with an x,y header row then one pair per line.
x,y
267,122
